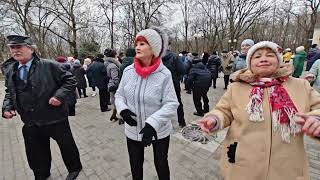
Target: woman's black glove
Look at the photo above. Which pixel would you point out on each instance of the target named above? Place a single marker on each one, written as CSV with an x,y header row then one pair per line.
x,y
127,117
148,133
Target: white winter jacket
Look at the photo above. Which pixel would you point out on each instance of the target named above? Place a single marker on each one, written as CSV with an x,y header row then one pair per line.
x,y
152,99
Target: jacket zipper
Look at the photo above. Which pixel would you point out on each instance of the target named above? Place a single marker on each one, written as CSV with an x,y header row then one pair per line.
x,y
139,108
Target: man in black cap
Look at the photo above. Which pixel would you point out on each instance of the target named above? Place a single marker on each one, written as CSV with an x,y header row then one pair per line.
x,y
37,90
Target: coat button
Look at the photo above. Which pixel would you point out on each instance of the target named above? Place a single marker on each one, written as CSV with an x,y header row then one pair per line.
x,y
31,109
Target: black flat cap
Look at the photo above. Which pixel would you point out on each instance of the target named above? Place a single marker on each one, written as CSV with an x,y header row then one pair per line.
x,y
19,40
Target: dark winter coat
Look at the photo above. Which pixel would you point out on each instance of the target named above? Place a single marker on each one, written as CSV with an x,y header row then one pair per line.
x,y
313,55
99,74
199,76
72,99
89,77
214,63
176,67
128,60
79,73
46,79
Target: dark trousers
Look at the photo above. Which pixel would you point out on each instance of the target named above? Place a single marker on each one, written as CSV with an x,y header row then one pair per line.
x,y
180,112
104,97
214,81
226,80
37,144
84,93
160,153
198,93
71,109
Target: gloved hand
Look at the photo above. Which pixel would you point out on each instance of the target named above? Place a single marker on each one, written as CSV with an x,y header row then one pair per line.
x,y
148,133
127,117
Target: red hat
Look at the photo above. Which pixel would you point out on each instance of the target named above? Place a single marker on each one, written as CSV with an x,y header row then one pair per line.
x,y
61,59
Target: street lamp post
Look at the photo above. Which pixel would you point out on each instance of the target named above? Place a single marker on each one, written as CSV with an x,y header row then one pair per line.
x,y
196,37
231,44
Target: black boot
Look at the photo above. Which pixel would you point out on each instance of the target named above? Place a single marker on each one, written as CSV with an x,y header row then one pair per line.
x,y
114,115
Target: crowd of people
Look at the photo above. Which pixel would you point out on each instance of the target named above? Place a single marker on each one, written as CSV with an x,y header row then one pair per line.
x,y
261,106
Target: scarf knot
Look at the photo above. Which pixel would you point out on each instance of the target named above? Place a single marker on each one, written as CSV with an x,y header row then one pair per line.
x,y
282,107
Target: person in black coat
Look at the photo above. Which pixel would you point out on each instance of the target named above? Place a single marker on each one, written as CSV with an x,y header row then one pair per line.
x,y
177,68
71,100
199,80
205,58
79,72
213,65
100,79
37,89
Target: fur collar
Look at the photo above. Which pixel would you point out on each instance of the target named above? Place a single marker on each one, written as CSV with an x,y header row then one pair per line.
x,y
245,75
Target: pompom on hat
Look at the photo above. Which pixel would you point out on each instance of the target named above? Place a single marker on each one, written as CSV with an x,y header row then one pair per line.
x,y
156,38
265,44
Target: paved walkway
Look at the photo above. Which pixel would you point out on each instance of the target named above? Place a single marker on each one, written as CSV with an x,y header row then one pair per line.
x,y
103,150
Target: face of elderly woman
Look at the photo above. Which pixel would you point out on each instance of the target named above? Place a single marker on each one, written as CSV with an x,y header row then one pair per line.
x,y
143,50
245,48
264,62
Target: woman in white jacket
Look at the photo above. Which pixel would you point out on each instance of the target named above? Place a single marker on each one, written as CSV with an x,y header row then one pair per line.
x,y
147,102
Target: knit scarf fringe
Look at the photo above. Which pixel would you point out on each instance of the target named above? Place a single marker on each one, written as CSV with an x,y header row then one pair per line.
x,y
285,129
255,110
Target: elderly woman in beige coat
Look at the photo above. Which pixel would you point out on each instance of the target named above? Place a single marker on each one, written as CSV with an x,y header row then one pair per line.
x,y
267,112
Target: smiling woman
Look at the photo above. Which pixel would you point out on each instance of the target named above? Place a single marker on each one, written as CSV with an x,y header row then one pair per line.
x,y
267,115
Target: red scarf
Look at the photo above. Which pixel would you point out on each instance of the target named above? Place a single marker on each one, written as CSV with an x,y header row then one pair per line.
x,y
282,107
146,71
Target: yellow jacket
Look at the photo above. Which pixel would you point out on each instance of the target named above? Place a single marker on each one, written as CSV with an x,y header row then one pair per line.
x,y
287,57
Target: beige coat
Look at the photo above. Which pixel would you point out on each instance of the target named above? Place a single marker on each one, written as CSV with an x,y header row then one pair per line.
x,y
227,63
260,152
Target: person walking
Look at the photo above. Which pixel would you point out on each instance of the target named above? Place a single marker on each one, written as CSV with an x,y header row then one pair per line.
x,y
128,60
214,63
199,81
99,75
227,63
313,55
147,102
177,68
71,99
86,63
267,118
287,56
79,73
37,89
113,72
298,61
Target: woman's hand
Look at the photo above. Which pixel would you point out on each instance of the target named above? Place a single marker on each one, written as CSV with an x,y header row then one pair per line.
x,y
310,124
207,124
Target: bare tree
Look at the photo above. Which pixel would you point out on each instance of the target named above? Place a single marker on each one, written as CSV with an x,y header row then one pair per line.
x,y
109,9
241,14
69,15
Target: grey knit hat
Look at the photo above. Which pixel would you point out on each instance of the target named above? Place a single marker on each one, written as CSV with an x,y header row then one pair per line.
x,y
249,42
157,39
265,44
